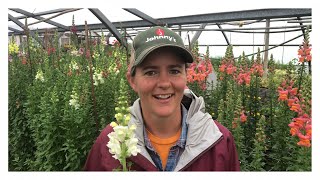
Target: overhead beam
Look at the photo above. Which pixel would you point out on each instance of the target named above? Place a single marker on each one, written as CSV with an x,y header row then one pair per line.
x,y
239,15
14,30
254,28
215,17
250,45
108,24
301,21
144,16
23,27
236,30
206,18
40,18
224,34
275,46
197,35
302,28
43,13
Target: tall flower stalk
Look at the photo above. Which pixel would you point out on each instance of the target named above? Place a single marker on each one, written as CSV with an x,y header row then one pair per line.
x,y
304,54
199,70
122,143
258,153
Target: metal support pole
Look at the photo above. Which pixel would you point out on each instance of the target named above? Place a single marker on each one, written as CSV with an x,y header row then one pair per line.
x,y
197,35
144,16
39,18
224,35
266,41
105,21
23,27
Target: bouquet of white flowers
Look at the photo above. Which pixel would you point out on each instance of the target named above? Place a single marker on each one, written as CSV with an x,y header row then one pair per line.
x,y
122,142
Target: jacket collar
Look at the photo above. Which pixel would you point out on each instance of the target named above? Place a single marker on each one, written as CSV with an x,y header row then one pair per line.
x,y
202,131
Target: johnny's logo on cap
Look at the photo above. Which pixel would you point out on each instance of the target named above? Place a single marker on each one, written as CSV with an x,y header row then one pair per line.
x,y
160,35
160,32
157,37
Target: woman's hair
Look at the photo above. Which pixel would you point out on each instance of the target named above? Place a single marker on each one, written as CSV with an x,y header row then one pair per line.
x,y
131,60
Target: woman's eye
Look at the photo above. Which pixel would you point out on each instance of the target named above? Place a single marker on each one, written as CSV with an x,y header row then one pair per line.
x,y
150,73
174,71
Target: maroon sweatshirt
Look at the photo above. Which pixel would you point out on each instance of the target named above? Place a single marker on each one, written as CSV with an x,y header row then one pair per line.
x,y
209,145
221,156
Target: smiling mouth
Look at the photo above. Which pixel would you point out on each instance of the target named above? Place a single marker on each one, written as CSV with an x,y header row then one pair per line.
x,y
163,96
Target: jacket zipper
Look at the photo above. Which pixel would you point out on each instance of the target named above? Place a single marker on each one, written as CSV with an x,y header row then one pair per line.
x,y
197,157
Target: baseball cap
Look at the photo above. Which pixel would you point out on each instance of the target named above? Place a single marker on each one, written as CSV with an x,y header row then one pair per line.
x,y
156,37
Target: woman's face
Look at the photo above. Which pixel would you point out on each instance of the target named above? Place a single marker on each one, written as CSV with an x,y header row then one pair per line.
x,y
160,81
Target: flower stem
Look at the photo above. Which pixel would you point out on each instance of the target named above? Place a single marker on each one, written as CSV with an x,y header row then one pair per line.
x,y
300,78
91,78
123,159
124,164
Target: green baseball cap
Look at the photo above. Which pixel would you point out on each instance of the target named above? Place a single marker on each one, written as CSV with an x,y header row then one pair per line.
x,y
155,37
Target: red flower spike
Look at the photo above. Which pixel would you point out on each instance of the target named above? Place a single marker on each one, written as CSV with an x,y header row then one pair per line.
x,y
305,143
283,95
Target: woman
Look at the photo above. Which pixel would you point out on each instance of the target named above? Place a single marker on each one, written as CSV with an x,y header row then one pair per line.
x,y
174,132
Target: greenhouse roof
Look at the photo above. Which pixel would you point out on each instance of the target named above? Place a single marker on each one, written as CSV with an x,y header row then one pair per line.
x,y
238,28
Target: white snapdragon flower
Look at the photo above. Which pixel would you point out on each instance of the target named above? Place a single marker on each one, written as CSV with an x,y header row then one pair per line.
x,y
132,147
116,70
95,55
75,66
93,68
74,100
113,69
122,132
114,145
100,78
123,139
122,143
39,75
97,77
75,53
104,42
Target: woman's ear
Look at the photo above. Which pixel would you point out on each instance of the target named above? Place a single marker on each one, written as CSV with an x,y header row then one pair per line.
x,y
131,81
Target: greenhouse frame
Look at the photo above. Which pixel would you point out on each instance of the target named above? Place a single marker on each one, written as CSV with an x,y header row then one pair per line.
x,y
67,85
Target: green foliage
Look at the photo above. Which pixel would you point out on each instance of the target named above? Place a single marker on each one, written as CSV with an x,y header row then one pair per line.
x,y
258,59
122,111
229,52
281,139
55,117
263,142
21,144
52,124
237,131
258,153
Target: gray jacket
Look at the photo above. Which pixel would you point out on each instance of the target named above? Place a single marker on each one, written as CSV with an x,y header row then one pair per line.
x,y
202,133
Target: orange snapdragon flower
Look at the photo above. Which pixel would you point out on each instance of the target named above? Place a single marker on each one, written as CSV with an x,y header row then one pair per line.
x,y
293,91
304,142
290,102
283,95
295,107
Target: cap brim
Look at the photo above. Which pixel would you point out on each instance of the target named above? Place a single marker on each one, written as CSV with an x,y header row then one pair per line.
x,y
187,56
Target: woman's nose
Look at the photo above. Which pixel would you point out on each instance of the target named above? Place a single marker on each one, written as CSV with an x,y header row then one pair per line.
x,y
164,80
